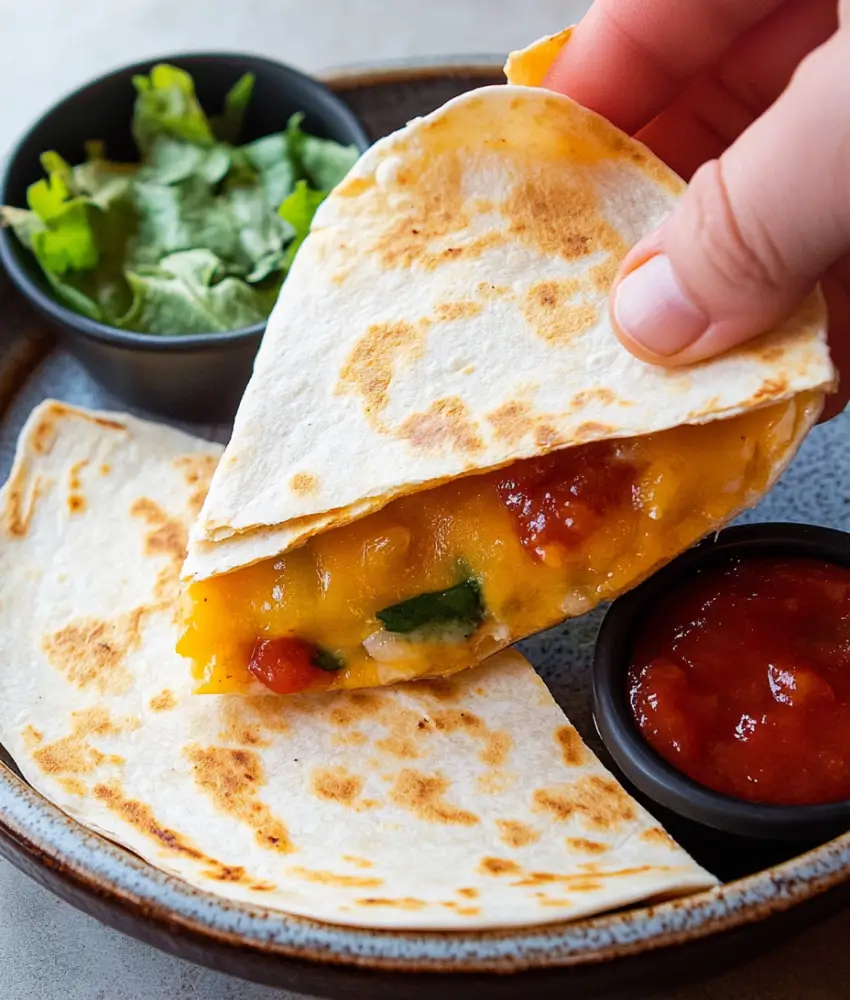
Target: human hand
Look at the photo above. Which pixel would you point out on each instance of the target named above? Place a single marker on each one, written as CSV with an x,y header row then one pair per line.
x,y
748,100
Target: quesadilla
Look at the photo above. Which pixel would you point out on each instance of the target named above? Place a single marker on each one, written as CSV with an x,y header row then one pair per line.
x,y
444,447
465,803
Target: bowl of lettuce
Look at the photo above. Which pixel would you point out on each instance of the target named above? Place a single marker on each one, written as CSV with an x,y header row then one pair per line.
x,y
154,214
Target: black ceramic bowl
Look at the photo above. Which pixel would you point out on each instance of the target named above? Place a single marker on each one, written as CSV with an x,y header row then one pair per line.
x,y
194,377
646,769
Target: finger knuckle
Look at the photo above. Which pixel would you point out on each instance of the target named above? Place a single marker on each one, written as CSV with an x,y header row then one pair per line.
x,y
739,248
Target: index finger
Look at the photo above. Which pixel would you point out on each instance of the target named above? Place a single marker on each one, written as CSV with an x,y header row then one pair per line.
x,y
628,59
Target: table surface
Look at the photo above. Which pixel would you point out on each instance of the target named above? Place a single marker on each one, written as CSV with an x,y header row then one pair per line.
x,y
49,951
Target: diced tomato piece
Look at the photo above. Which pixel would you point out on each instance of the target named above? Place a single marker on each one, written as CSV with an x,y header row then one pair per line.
x,y
285,665
562,498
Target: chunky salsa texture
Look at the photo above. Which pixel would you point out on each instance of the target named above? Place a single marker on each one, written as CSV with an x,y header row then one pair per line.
x,y
438,580
741,679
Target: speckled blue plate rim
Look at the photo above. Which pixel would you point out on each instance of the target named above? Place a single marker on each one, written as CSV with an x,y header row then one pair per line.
x,y
43,829
36,834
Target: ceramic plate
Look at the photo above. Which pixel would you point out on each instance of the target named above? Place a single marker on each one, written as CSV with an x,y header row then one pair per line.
x,y
769,888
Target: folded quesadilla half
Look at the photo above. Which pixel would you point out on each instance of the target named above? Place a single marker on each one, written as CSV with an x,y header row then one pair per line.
x,y
465,803
444,448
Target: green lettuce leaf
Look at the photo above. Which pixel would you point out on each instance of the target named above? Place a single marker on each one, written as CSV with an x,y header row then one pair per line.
x,y
277,173
325,162
166,105
228,125
64,241
298,210
185,216
189,293
200,234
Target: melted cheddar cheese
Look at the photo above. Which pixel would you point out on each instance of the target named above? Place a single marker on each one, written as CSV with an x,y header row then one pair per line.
x,y
665,491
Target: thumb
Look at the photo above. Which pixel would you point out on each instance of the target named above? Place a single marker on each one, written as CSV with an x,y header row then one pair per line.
x,y
755,230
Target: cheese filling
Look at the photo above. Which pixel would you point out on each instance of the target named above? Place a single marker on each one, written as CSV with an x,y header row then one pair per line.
x,y
438,580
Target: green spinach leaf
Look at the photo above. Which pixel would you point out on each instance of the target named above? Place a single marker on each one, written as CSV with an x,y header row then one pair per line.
x,y
459,605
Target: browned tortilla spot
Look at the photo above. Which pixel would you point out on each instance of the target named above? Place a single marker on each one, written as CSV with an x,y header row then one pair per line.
x,y
423,795
168,535
74,481
655,835
228,873
583,846
499,866
246,721
219,872
352,738
494,782
358,862
304,482
140,816
496,749
164,701
406,729
429,207
447,312
552,314
592,430
547,437
76,503
166,589
774,388
380,351
441,688
468,893
197,468
105,469
446,423
21,498
44,434
73,786
511,421
572,748
197,472
599,801
399,743
336,784
581,882
428,213
354,707
332,878
404,903
515,833
232,779
410,726
488,290
600,395
93,653
31,736
73,754
535,210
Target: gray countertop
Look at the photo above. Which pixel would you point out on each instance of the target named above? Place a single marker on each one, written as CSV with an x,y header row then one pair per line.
x,y
49,951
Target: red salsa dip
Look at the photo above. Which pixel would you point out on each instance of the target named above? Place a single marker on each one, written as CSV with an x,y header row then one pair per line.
x,y
741,680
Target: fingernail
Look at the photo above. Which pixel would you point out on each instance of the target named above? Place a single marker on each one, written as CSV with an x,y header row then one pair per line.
x,y
651,308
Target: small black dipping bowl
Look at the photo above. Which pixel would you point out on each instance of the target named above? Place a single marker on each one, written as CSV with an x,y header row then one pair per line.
x,y
198,376
645,768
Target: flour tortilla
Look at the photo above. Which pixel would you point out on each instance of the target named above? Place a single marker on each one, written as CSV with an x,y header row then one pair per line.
x,y
465,803
448,314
